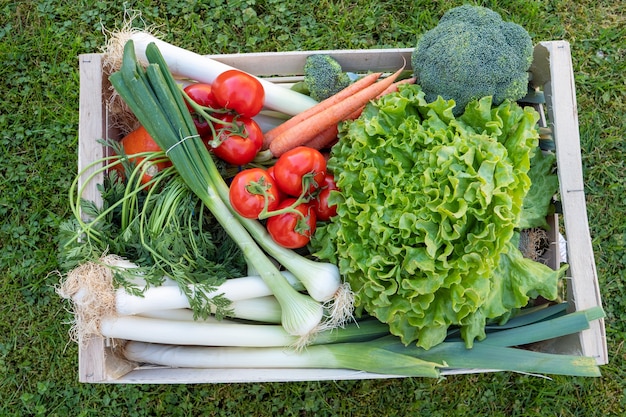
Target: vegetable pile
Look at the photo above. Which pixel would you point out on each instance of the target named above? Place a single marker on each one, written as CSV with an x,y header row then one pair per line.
x,y
371,223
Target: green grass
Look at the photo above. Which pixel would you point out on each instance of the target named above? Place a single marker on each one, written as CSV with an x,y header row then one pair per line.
x,y
39,44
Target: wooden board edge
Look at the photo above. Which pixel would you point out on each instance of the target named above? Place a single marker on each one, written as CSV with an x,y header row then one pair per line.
x,y
563,115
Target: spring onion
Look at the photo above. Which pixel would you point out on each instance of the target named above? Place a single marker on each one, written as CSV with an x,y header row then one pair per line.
x,y
155,98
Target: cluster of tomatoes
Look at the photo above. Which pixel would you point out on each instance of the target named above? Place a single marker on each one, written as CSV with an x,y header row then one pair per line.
x,y
292,195
232,100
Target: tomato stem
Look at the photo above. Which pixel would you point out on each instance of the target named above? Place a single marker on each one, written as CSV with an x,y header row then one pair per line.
x,y
305,197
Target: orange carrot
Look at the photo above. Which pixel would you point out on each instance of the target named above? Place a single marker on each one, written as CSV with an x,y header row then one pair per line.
x,y
350,90
394,87
307,129
325,138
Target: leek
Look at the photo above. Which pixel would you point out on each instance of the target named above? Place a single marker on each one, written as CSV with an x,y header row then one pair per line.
x,y
358,356
228,333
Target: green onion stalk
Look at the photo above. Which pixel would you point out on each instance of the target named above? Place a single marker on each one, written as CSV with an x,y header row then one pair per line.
x,y
154,97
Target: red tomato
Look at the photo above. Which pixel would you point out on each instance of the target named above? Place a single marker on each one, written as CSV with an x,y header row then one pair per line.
x,y
239,91
281,194
323,211
202,94
291,230
237,146
249,190
298,165
139,141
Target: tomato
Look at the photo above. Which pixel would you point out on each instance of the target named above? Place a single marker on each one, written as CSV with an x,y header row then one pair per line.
x,y
301,164
281,194
139,141
239,91
248,191
236,145
202,94
323,211
292,230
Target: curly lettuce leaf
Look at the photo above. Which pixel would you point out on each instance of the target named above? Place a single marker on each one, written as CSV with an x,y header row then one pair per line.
x,y
428,205
544,185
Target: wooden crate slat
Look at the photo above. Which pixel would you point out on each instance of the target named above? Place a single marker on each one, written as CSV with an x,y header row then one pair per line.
x,y
563,114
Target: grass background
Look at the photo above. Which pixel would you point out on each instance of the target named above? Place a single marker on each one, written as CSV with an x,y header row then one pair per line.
x,y
39,45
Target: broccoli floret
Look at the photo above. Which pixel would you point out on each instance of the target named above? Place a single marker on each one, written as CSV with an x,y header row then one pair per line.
x,y
473,53
323,76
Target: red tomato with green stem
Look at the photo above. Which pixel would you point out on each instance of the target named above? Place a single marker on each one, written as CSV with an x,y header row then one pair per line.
x,y
238,139
239,91
252,192
292,229
202,94
323,210
300,169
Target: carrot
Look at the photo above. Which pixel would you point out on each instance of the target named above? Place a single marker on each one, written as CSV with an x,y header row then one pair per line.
x,y
325,138
394,87
304,131
358,85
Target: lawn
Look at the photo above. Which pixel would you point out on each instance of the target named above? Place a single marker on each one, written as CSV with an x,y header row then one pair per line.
x,y
39,45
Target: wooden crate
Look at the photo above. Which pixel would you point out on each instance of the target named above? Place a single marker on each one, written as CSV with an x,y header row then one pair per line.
x,y
551,71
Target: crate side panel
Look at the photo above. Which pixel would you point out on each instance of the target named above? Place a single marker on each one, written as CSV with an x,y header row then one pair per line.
x,y
94,364
562,110
91,127
268,64
91,121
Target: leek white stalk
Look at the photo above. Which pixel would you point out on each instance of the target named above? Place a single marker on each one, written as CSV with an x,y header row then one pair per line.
x,y
261,309
191,65
228,333
152,330
179,314
166,297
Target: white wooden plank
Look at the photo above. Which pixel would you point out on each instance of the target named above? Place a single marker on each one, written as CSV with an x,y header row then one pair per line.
x,y
163,375
94,365
291,63
563,113
91,119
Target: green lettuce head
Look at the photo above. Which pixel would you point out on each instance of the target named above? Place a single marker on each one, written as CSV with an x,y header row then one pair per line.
x,y
427,211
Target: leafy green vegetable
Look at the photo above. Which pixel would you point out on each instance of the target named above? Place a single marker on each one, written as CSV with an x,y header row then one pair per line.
x,y
427,214
544,185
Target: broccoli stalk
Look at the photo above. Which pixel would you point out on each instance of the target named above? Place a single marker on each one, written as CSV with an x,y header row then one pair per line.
x,y
323,76
473,53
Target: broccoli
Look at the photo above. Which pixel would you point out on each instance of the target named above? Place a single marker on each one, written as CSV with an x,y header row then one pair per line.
x,y
473,53
323,76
